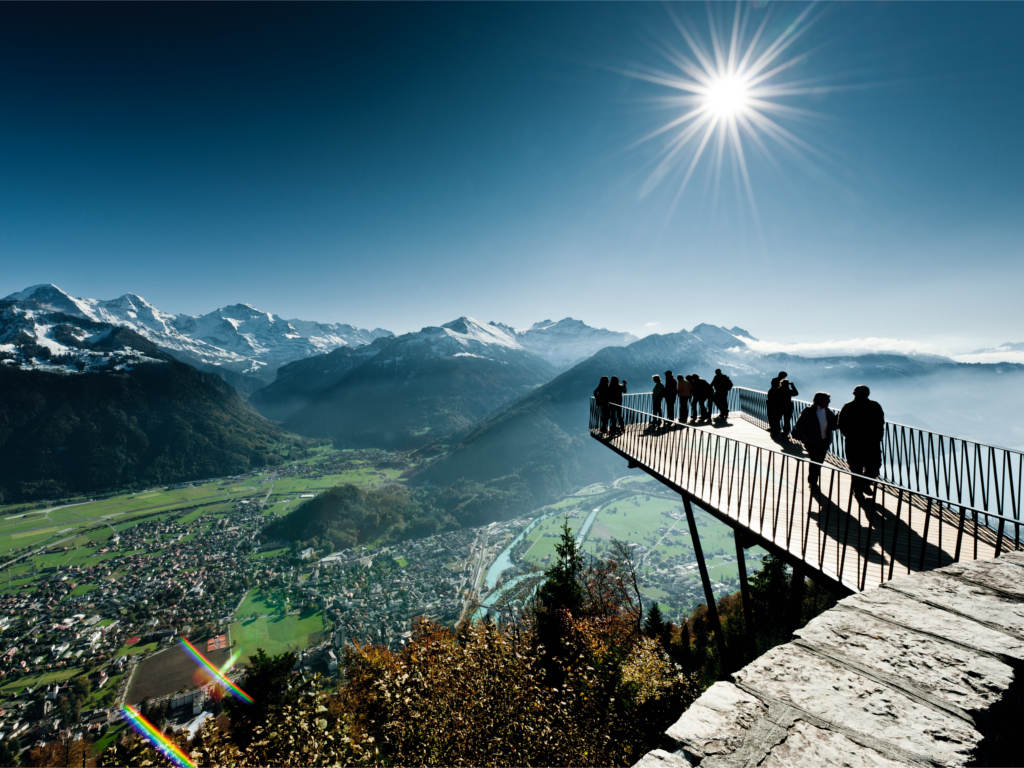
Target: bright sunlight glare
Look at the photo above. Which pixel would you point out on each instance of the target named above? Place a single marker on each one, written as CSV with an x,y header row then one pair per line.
x,y
728,95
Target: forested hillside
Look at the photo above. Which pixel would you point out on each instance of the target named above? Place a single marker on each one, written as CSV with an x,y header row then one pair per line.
x,y
157,423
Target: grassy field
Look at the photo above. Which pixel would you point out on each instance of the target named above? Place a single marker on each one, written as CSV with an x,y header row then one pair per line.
x,y
40,678
278,634
256,603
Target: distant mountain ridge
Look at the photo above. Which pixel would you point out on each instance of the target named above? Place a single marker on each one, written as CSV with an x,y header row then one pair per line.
x,y
568,341
538,445
407,390
239,338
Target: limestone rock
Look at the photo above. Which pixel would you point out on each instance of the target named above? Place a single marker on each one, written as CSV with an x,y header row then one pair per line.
x,y
659,758
928,666
849,701
808,745
718,721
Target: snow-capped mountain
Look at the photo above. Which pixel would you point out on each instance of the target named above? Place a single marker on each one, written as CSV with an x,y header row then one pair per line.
x,y
406,390
50,339
238,338
567,341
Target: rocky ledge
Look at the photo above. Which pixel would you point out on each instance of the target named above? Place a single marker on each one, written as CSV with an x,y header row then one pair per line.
x,y
922,671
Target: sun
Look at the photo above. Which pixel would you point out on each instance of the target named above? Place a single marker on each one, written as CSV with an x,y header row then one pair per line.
x,y
730,93
727,96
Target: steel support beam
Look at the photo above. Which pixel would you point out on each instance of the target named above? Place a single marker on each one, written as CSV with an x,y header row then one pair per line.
x,y
709,596
741,564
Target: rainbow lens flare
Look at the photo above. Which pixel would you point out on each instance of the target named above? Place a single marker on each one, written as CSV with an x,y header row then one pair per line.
x,y
217,675
168,748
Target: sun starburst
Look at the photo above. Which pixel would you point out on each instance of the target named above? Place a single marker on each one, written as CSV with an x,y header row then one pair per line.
x,y
730,93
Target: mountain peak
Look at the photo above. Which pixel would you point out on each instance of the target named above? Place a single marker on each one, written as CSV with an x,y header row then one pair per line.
x,y
51,297
717,336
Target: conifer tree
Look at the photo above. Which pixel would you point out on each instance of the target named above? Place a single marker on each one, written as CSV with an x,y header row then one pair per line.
x,y
654,625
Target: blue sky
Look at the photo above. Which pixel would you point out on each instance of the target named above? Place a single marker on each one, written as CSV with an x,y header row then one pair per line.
x,y
400,165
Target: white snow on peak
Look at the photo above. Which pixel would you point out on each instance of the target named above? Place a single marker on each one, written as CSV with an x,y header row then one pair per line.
x,y
239,336
468,329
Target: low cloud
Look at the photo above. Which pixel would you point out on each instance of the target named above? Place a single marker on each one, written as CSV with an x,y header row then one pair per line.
x,y
867,345
1003,354
873,345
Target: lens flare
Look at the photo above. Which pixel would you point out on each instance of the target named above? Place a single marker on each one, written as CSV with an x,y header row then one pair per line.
x,y
216,674
164,745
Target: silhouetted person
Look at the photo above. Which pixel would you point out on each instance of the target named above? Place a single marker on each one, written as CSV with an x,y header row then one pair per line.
x,y
780,405
683,390
862,423
702,393
670,396
657,395
814,429
721,384
615,393
601,397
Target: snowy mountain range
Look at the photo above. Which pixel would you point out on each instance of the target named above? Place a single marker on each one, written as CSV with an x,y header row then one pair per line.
x,y
237,338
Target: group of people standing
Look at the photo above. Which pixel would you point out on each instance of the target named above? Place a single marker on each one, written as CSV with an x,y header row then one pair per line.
x,y
693,393
695,396
861,421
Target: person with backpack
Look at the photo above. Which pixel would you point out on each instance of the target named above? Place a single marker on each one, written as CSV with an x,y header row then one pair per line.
x,y
814,429
721,384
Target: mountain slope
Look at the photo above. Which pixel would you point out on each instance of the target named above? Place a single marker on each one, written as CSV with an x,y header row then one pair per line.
x,y
86,406
418,387
540,446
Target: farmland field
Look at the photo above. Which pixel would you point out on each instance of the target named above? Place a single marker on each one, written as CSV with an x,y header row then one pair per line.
x,y
278,634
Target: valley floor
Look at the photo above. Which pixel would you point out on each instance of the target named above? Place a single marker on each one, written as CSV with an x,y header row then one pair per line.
x,y
95,592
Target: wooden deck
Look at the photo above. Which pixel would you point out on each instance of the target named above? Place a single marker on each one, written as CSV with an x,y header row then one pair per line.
x,y
743,477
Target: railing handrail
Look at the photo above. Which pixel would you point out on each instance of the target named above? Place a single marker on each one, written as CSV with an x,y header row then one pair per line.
x,y
898,424
956,469
947,503
783,498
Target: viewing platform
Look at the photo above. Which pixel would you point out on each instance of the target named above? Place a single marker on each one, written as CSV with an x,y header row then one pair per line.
x,y
938,500
921,665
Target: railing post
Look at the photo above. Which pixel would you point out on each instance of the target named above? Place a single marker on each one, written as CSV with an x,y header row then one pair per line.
x,y
709,595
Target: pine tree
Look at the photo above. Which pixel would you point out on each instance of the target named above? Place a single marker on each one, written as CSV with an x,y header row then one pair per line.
x,y
654,625
560,596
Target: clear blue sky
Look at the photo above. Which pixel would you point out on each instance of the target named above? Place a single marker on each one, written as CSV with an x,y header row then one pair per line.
x,y
399,165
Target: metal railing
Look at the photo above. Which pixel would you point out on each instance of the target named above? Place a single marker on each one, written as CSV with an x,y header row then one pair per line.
x,y
950,468
766,490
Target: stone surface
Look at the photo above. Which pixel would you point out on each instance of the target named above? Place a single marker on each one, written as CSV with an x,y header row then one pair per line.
x,y
906,674
965,598
808,745
659,758
886,603
847,700
921,664
718,721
